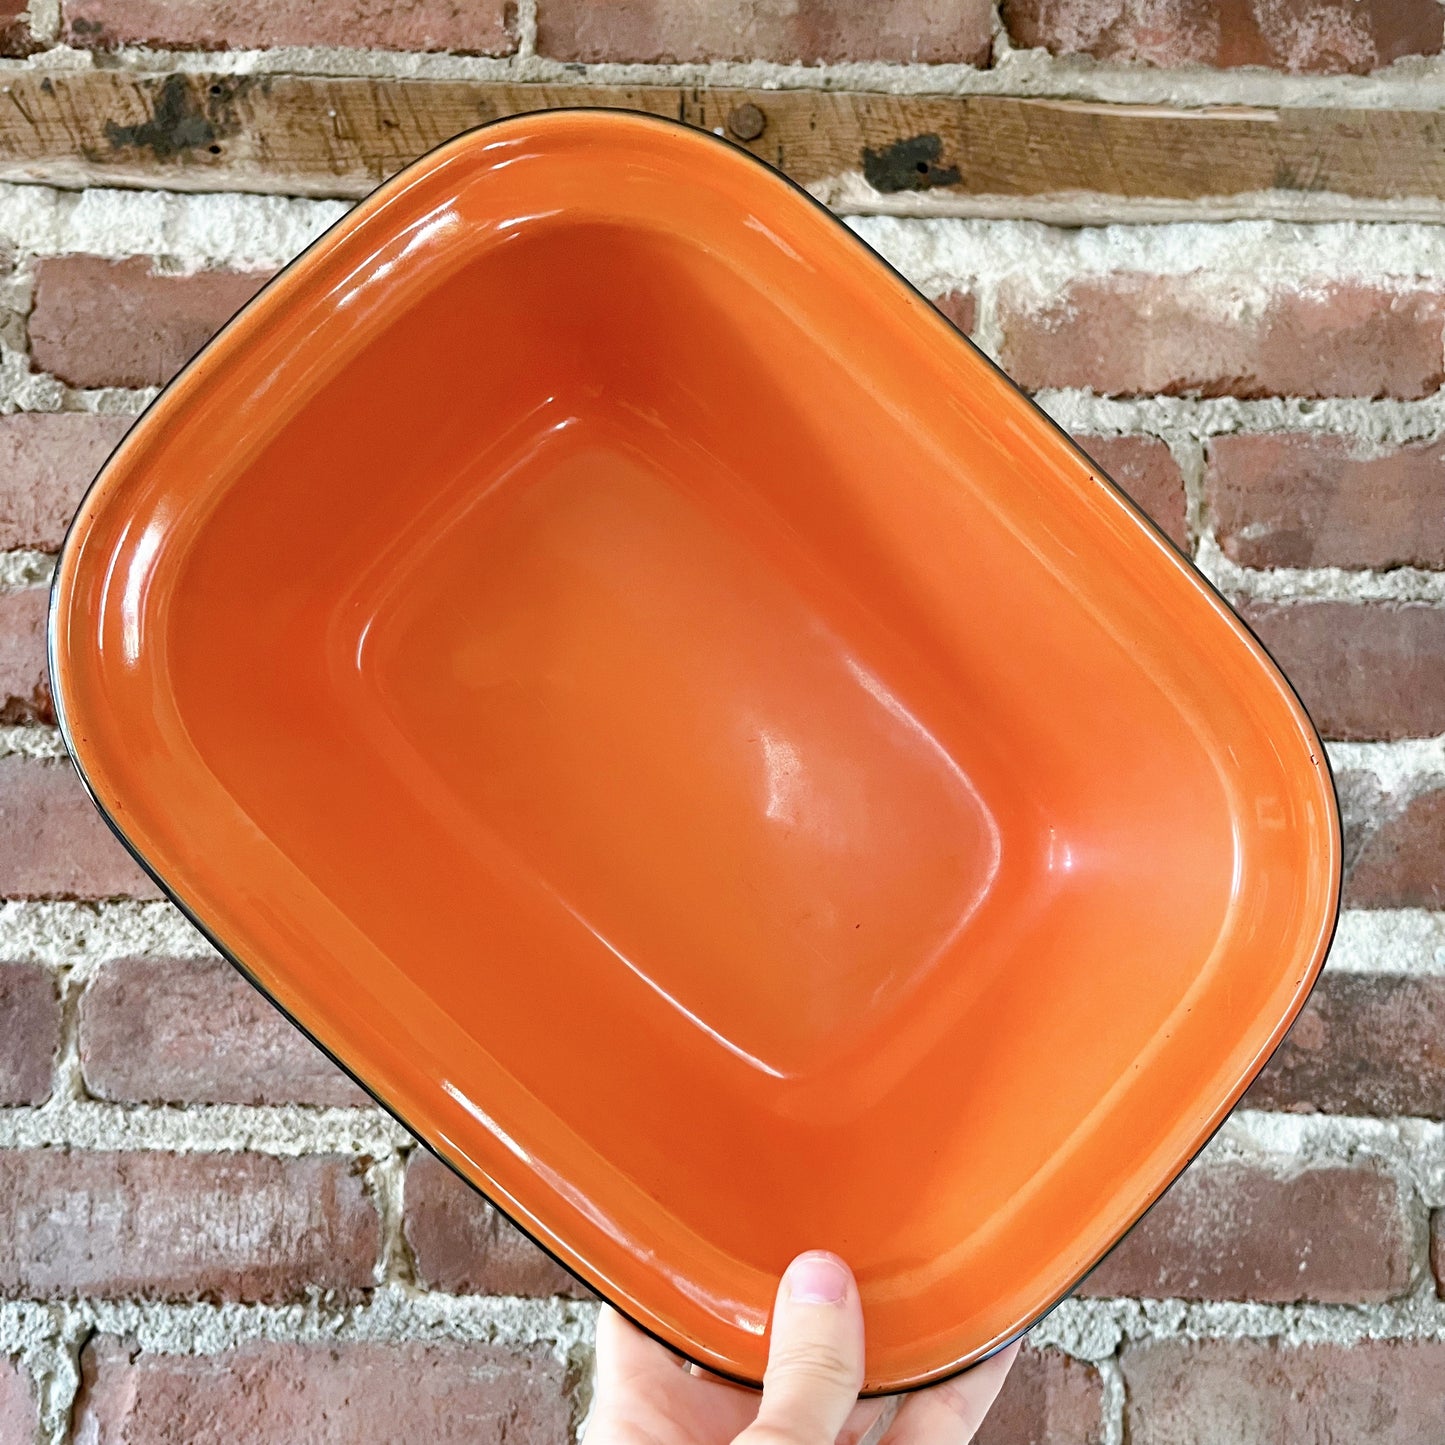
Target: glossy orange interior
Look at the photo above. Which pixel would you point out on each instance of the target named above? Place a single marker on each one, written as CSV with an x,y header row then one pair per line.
x,y
612,664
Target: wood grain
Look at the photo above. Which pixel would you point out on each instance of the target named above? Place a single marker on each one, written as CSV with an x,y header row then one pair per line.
x,y
320,136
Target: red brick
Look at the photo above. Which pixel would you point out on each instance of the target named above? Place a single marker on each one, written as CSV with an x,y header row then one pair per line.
x,y
47,459
29,1035
462,1245
24,678
56,844
1329,36
822,31
337,1394
176,1031
1437,1251
1257,1392
1364,670
1048,1399
1231,1231
960,307
19,1413
1363,803
1144,467
1361,1045
1132,334
173,1226
15,34
1402,863
118,323
1316,501
470,27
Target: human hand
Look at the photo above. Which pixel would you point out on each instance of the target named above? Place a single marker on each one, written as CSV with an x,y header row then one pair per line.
x,y
647,1396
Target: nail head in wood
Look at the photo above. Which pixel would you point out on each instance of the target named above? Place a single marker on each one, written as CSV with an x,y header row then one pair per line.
x,y
746,121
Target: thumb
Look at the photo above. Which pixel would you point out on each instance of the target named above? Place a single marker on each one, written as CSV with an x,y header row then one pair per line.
x,y
815,1356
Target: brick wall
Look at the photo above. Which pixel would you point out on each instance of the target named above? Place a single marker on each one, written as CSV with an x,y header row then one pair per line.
x,y
206,1233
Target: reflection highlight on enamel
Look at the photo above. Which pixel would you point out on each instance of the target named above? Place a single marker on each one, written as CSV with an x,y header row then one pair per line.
x,y
559,1184
380,264
134,586
754,223
486,1121
894,706
732,1312
736,1050
518,223
1060,857
786,781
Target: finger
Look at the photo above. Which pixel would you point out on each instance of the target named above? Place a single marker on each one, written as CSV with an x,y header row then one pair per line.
x,y
815,1356
626,1356
866,1424
950,1413
644,1391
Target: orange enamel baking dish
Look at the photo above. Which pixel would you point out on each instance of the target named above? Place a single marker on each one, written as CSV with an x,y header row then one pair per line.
x,y
700,746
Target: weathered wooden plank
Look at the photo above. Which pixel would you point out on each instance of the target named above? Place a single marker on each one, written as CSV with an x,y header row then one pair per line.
x,y
325,136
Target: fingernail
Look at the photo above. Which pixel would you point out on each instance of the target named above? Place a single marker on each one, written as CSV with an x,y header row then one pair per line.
x,y
817,1279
